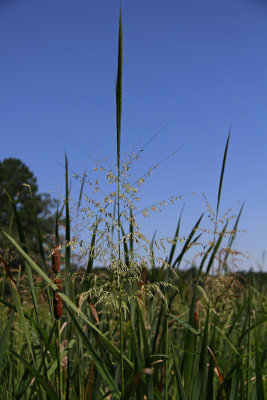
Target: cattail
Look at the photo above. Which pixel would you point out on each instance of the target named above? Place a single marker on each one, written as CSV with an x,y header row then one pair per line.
x,y
196,315
58,282
58,306
56,260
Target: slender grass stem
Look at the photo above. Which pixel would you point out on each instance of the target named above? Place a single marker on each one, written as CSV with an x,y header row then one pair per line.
x,y
166,361
59,360
249,336
120,288
119,109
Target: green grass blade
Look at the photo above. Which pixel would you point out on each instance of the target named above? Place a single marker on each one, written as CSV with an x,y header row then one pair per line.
x,y
202,366
222,174
210,377
228,340
18,223
81,193
41,248
126,250
178,376
216,248
232,237
131,231
204,259
189,346
39,236
185,247
253,326
67,231
91,257
67,264
146,354
259,377
175,239
152,259
119,91
56,229
185,325
118,115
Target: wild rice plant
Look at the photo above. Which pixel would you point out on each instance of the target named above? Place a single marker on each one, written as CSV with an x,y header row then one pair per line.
x,y
140,328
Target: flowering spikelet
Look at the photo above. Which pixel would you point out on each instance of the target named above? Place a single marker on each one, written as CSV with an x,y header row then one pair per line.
x,y
58,306
56,260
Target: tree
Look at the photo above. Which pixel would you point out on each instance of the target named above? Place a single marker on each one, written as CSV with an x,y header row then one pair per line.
x,y
14,178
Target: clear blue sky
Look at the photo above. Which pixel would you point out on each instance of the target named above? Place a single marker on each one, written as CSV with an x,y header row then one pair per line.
x,y
200,65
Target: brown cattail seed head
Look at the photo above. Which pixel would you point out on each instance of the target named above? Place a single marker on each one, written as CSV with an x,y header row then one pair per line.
x,y
55,260
196,315
58,306
58,282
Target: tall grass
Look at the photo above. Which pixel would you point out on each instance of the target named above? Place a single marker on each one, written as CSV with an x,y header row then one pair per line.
x,y
140,328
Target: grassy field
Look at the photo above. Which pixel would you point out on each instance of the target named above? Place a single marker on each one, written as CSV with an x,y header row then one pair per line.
x,y
138,328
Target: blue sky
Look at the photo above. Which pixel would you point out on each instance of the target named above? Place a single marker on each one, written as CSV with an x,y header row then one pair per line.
x,y
197,67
